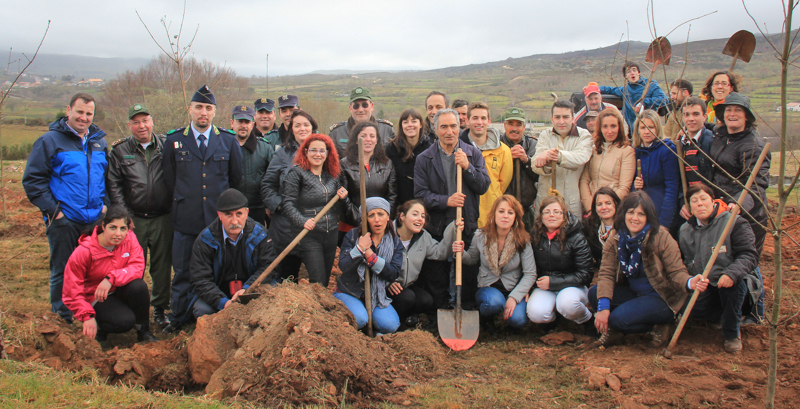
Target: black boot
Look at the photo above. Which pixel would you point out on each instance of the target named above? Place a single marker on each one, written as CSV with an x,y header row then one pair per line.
x,y
102,338
144,335
159,317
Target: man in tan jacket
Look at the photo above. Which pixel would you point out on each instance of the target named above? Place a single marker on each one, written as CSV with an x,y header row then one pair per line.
x,y
679,91
569,147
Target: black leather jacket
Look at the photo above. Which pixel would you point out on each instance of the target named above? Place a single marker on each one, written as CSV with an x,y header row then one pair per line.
x,y
380,181
305,194
568,267
136,184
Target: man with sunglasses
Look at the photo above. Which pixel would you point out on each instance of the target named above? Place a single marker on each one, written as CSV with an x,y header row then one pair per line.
x,y
361,107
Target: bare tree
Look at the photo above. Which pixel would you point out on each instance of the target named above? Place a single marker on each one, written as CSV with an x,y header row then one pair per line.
x,y
5,94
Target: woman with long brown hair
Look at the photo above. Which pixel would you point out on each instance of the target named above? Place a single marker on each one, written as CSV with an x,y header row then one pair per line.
x,y
507,268
613,162
403,149
564,263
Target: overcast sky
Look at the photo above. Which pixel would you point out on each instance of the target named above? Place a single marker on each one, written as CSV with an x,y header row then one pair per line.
x,y
307,35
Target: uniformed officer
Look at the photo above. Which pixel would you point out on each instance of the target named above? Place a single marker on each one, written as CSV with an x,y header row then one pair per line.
x,y
265,126
256,156
200,162
287,104
361,107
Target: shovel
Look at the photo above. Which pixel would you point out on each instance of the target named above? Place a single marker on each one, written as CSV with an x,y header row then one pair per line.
x,y
364,229
715,253
658,52
679,147
553,191
459,329
518,183
740,46
251,294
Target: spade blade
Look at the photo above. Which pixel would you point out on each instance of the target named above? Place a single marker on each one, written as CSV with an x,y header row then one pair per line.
x,y
659,51
741,45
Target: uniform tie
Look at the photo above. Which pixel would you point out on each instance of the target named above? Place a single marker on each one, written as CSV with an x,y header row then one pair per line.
x,y
202,139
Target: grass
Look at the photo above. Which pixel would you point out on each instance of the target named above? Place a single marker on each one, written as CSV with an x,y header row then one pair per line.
x,y
20,134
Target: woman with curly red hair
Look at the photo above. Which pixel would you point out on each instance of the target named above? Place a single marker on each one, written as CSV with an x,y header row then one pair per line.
x,y
308,187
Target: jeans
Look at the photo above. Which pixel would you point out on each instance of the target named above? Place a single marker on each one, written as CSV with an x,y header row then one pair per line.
x,y
318,251
200,308
722,305
181,258
155,234
125,307
570,302
62,235
492,302
385,320
412,300
631,314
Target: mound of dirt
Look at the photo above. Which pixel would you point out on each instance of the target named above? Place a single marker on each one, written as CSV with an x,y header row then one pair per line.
x,y
298,344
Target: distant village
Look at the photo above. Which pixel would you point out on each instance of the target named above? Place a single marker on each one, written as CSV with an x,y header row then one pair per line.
x,y
34,80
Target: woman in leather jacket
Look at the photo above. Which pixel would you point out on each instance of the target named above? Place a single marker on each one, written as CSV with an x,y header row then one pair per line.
x,y
308,186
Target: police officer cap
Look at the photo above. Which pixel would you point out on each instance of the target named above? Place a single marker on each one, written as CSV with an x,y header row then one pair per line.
x,y
264,103
230,200
204,95
513,113
137,109
243,112
360,93
288,101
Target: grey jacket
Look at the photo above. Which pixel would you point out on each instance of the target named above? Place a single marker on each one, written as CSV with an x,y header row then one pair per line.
x,y
424,246
518,276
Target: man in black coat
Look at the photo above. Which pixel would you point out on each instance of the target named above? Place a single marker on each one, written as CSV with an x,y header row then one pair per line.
x,y
200,162
136,181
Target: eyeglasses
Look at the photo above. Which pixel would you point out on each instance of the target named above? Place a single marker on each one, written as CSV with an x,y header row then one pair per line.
x,y
357,105
555,212
721,84
318,151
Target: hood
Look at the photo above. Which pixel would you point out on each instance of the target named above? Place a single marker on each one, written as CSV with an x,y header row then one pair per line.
x,y
719,207
492,139
61,126
90,242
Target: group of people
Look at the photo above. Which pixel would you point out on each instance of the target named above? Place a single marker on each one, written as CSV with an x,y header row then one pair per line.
x,y
543,217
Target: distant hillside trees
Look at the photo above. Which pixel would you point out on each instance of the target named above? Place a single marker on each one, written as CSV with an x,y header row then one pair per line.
x,y
158,86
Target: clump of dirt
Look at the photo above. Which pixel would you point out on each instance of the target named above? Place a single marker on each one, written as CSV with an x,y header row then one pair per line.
x,y
298,344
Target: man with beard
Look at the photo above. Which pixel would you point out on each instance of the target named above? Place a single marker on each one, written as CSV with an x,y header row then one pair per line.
x,y
461,107
678,93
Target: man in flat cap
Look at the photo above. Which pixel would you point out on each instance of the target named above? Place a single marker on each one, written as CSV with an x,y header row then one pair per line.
x,y
361,107
228,256
523,147
136,181
200,162
287,104
256,156
265,126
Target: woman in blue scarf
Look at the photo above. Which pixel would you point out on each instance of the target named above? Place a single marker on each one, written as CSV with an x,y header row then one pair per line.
x,y
378,252
642,283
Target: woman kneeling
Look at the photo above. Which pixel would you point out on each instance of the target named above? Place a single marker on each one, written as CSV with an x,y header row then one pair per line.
x,y
642,280
103,283
507,269
378,252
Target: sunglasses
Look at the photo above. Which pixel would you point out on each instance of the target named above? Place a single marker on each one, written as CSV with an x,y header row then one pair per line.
x,y
364,105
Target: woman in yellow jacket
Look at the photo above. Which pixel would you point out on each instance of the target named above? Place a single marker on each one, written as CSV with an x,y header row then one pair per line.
x,y
613,162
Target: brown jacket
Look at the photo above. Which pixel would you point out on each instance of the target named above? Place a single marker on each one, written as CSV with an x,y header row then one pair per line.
x,y
614,168
674,124
662,265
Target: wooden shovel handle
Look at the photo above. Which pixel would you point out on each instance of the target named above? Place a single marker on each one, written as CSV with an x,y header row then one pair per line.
x,y
459,211
362,171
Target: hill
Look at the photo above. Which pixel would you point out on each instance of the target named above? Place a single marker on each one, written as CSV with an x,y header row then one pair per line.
x,y
80,66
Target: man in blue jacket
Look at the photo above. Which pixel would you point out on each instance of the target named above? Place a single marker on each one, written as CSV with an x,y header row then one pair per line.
x,y
631,93
65,178
200,162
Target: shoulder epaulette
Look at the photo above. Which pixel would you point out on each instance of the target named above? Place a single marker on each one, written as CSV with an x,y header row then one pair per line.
x,y
334,126
224,130
176,130
119,141
385,121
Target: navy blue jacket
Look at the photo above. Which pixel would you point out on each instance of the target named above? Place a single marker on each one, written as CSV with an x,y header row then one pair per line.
x,y
662,178
430,186
697,162
196,182
67,175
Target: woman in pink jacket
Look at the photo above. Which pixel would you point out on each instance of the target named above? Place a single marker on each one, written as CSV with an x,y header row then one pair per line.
x,y
103,283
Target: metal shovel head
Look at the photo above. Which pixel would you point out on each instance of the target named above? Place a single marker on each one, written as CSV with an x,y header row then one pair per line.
x,y
246,298
659,51
741,45
459,335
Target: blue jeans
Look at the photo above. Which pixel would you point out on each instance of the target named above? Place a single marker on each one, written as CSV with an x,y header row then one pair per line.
x,y
385,320
62,235
492,302
722,305
181,257
632,314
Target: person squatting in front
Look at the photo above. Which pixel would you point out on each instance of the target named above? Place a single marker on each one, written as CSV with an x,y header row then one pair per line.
x,y
507,270
228,256
379,253
103,284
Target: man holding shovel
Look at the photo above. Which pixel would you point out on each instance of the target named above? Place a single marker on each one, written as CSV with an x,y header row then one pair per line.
x,y
523,147
228,256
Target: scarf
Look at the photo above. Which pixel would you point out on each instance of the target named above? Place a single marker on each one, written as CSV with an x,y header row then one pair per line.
x,y
602,233
378,285
497,261
630,252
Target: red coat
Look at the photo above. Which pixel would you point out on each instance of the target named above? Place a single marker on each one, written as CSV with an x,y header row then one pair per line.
x,y
90,263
